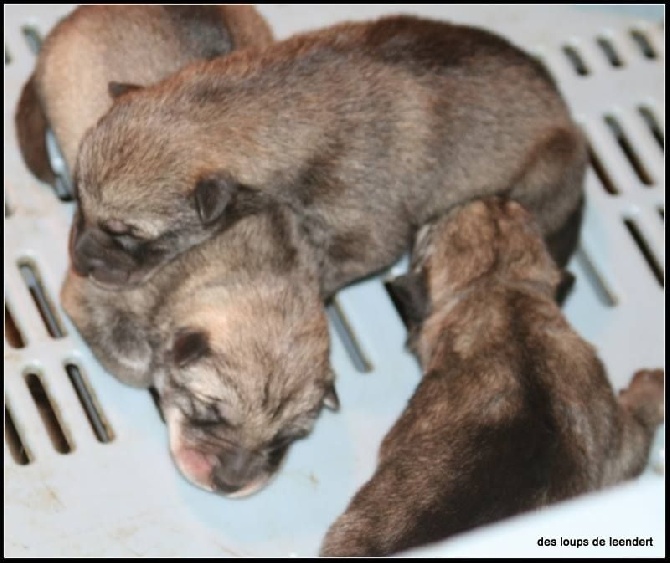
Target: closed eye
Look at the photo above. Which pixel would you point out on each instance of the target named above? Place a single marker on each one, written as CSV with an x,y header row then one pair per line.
x,y
207,416
123,232
206,422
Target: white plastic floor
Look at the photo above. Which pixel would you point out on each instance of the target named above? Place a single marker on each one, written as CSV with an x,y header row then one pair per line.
x,y
86,465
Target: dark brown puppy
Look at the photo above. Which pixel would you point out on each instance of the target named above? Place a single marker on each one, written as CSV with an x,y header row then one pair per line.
x,y
514,411
234,336
98,44
367,130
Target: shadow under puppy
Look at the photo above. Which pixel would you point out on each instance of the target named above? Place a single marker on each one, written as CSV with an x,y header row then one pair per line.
x,y
366,130
515,409
234,335
98,44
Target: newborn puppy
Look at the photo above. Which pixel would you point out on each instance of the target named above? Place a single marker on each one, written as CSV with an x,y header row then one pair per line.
x,y
98,44
514,411
235,338
367,130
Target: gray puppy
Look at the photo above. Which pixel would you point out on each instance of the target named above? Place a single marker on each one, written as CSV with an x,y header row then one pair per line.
x,y
366,130
514,411
235,338
95,45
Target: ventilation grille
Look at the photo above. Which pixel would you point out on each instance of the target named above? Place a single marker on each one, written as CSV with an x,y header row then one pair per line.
x,y
74,434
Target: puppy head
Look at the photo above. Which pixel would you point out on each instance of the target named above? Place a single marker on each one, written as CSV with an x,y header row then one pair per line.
x,y
244,382
147,189
490,239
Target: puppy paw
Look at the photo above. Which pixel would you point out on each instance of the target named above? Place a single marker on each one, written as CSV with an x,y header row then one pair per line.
x,y
346,538
644,396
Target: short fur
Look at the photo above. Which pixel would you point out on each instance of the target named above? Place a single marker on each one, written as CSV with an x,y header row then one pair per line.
x,y
235,338
98,44
367,130
514,411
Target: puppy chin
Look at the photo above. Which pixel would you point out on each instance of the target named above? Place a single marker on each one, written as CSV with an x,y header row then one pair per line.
x,y
251,488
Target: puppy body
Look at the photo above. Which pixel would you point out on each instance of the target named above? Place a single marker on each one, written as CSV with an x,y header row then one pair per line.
x,y
234,336
514,410
98,44
367,130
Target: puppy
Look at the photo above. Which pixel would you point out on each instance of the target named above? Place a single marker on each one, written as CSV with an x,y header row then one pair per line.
x,y
514,411
366,130
234,336
98,44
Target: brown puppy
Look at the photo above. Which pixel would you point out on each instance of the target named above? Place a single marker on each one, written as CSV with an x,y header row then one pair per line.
x,y
98,44
514,411
234,336
367,130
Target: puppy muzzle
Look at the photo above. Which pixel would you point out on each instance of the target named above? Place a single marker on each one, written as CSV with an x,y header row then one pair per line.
x,y
237,473
92,257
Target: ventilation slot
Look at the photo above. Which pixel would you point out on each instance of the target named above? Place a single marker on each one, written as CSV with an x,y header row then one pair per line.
x,y
348,339
99,425
576,60
8,57
8,209
12,334
643,44
661,213
627,148
652,123
44,304
47,414
32,37
15,444
602,173
596,280
62,184
648,255
155,397
610,53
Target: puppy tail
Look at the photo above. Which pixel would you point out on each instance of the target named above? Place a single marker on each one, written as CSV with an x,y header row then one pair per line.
x,y
31,131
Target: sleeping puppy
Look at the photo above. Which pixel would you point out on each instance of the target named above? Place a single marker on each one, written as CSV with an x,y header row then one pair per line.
x,y
235,338
514,411
96,45
366,130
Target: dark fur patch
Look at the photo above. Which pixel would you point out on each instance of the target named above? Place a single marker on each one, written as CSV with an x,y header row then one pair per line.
x,y
200,30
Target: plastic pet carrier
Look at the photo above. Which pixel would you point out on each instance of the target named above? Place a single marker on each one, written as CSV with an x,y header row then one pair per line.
x,y
87,466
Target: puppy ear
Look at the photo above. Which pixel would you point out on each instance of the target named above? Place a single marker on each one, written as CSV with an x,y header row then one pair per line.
x,y
565,286
410,297
117,89
189,346
330,399
213,193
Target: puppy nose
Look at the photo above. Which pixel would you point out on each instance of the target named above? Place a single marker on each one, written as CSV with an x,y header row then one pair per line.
x,y
90,257
235,470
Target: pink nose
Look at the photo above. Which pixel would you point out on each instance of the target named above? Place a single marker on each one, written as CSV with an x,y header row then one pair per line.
x,y
195,466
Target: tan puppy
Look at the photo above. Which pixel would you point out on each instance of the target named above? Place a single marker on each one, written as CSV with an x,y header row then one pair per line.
x,y
235,338
96,45
367,130
514,411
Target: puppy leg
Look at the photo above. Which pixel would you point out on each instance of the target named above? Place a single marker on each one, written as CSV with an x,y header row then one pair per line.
x,y
642,410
